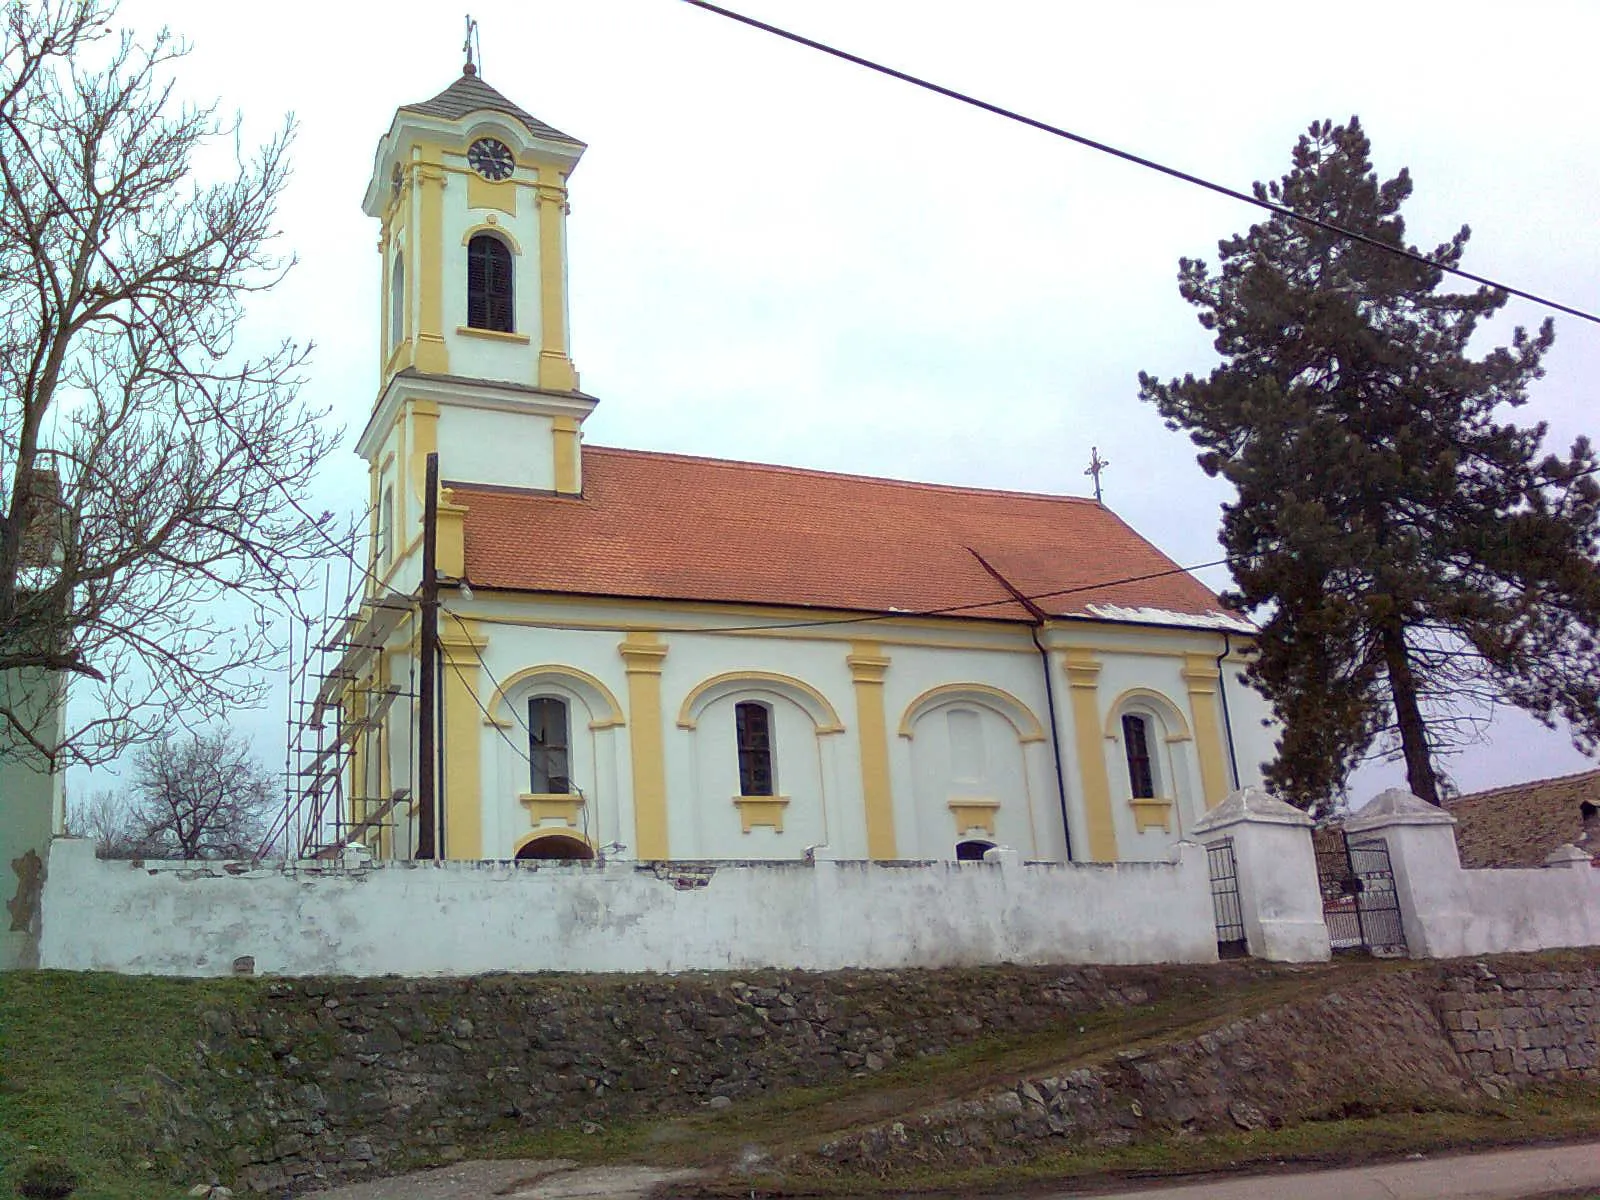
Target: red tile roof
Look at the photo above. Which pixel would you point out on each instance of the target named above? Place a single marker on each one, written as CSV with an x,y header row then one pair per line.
x,y
1517,826
668,526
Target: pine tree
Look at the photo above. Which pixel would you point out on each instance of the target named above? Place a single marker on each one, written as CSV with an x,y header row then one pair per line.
x,y
1411,555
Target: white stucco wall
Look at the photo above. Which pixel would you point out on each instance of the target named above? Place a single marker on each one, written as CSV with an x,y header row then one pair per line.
x,y
466,918
819,770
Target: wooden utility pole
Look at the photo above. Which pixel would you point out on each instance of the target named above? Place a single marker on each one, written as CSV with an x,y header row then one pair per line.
x,y
430,839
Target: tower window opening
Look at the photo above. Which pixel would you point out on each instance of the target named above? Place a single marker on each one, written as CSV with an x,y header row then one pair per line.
x,y
386,524
1136,742
548,755
753,725
397,301
489,286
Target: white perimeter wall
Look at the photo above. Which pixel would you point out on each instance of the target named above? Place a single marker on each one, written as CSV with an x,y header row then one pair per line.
x,y
1449,911
467,918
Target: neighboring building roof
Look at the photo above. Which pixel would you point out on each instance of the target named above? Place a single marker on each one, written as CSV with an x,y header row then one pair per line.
x,y
667,526
469,94
1517,826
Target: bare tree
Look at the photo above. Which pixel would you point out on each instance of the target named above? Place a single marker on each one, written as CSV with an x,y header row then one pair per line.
x,y
166,466
203,795
107,819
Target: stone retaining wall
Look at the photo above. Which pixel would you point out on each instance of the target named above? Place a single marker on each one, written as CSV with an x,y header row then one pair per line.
x,y
1376,1048
1515,1027
324,1080
317,1081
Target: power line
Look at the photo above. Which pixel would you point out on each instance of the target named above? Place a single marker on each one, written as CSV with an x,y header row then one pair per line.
x,y
1137,160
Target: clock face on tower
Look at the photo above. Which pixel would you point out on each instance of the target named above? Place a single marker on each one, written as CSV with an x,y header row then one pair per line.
x,y
491,159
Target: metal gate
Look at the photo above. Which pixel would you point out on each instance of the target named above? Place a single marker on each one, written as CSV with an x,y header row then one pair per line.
x,y
1225,908
1359,903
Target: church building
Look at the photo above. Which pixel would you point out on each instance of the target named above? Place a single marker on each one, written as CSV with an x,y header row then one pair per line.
x,y
653,656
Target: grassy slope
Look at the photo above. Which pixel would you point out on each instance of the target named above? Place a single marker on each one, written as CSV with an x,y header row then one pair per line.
x,y
75,1052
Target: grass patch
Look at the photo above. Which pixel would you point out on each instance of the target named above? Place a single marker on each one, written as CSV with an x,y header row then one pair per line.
x,y
76,1051
1531,1117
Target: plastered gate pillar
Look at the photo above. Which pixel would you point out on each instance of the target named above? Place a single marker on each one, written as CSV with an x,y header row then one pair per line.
x,y
1421,838
1277,870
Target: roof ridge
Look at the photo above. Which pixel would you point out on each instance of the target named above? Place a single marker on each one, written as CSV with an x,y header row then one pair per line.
x,y
1525,785
786,469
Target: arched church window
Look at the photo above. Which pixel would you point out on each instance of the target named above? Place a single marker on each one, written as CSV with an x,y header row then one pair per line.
x,y
549,760
386,524
753,728
397,301
489,290
972,850
1136,744
966,746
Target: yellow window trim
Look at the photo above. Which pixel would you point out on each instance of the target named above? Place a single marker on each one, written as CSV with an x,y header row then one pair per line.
x,y
539,835
822,713
499,231
1170,714
577,680
761,810
1016,714
543,806
1148,813
974,812
493,335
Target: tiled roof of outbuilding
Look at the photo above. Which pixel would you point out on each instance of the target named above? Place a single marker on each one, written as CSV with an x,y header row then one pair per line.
x,y
470,94
667,526
1517,826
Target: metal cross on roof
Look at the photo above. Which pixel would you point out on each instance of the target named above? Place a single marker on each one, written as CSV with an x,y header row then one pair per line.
x,y
472,48
1096,465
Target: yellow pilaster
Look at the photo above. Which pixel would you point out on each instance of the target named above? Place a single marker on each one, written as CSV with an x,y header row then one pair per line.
x,y
569,480
463,737
642,656
555,363
1083,682
868,666
422,429
433,356
1201,675
451,549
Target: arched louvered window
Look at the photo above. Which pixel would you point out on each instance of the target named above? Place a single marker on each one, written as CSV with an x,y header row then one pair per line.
x,y
548,761
397,301
1136,742
753,730
386,525
489,290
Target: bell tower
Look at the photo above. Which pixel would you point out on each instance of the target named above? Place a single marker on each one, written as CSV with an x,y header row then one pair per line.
x,y
474,360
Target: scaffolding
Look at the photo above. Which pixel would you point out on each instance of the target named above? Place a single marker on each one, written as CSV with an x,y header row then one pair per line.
x,y
338,716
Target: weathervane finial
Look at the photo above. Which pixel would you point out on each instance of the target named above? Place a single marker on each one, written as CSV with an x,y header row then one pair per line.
x,y
1096,465
472,47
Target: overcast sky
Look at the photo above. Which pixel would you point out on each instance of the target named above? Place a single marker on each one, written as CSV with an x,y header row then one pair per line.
x,y
780,257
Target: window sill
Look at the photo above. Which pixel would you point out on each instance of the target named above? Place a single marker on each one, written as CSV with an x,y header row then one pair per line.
x,y
761,810
1147,814
974,812
493,335
545,806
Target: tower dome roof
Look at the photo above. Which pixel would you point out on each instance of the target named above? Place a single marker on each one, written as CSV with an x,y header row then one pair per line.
x,y
470,94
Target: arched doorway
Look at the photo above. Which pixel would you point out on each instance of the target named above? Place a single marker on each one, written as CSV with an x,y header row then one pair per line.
x,y
557,847
972,850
